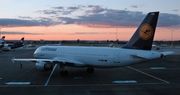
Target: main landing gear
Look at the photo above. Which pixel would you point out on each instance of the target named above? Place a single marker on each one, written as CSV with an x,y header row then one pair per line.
x,y
64,73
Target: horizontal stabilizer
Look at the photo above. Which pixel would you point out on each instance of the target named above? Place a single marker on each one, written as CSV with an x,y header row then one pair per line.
x,y
140,56
167,53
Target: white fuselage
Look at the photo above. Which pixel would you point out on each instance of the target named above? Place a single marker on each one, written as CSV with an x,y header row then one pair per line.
x,y
97,56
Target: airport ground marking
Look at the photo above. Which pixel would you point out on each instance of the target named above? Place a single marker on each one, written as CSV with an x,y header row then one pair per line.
x,y
89,85
108,84
148,74
18,83
124,81
77,77
50,75
158,68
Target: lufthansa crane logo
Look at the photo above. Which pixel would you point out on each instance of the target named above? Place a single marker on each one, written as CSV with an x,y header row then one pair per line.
x,y
145,31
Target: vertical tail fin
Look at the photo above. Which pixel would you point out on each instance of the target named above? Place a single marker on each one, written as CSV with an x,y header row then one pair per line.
x,y
22,40
144,35
3,38
18,44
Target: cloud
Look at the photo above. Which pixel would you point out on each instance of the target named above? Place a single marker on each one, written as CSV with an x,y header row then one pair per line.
x,y
95,9
54,12
84,33
90,16
59,7
18,33
134,6
24,17
48,12
111,18
10,22
73,8
119,18
175,10
167,20
60,10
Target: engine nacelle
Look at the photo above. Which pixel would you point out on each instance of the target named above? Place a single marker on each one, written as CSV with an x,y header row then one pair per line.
x,y
43,66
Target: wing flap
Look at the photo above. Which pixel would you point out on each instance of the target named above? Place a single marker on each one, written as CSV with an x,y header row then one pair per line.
x,y
31,60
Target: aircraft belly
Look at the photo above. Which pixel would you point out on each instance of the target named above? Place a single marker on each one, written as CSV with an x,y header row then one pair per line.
x,y
129,60
93,61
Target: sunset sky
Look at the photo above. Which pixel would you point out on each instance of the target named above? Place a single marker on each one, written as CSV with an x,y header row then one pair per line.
x,y
85,19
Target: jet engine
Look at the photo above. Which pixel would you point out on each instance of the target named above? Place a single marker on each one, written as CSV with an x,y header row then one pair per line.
x,y
44,66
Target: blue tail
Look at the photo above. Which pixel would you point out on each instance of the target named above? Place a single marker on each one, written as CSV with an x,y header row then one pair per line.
x,y
144,35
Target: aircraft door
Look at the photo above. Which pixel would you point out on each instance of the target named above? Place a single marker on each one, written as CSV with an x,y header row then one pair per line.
x,y
116,57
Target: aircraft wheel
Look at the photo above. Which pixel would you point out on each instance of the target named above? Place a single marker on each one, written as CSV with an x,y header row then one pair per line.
x,y
64,73
90,70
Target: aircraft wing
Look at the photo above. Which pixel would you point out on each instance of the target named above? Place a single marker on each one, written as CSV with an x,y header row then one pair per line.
x,y
145,56
57,60
31,60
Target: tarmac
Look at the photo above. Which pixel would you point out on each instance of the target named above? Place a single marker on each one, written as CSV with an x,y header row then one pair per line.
x,y
157,77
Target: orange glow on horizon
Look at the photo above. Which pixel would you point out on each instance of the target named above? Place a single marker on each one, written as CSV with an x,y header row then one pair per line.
x,y
74,32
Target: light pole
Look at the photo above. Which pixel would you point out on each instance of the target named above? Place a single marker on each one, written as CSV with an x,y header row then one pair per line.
x,y
116,37
171,38
0,32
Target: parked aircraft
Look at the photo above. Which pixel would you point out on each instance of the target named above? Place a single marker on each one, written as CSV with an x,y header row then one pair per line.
x,y
137,50
58,44
2,42
17,44
8,47
2,39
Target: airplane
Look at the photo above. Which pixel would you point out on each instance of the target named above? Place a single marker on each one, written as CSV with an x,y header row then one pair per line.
x,y
8,47
2,42
137,50
17,44
3,46
2,39
58,44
